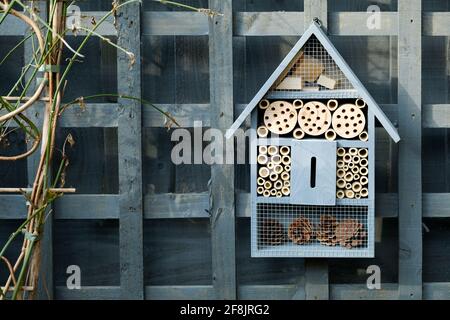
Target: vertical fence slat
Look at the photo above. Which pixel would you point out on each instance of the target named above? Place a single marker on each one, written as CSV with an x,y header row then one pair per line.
x,y
410,149
45,283
130,160
222,199
316,278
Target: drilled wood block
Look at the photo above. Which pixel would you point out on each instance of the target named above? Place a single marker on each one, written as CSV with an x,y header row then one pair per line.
x,y
314,118
280,117
348,121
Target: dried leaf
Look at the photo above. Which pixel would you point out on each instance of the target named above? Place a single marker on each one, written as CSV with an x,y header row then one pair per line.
x,y
168,122
81,103
70,140
131,58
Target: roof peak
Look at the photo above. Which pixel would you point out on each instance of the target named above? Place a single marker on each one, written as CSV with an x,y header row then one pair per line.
x,y
350,87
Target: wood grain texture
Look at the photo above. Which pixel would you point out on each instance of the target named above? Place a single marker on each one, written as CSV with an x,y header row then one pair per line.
x,y
222,201
410,149
389,291
255,24
130,155
316,274
45,281
105,115
191,205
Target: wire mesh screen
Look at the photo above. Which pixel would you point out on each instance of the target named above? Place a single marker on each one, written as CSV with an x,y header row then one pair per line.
x,y
285,230
314,70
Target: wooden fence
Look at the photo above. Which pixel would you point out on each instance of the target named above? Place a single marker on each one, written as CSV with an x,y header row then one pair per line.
x,y
201,237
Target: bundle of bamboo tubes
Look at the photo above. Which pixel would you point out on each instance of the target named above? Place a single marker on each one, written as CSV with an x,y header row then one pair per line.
x,y
352,173
274,166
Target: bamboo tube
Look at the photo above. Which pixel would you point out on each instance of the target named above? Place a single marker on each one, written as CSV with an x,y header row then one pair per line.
x,y
268,185
286,191
273,177
330,135
270,165
364,136
340,194
357,195
347,157
355,170
348,186
348,176
364,192
262,132
272,150
364,181
349,194
287,168
286,183
263,172
279,194
363,171
266,193
278,169
262,159
340,164
260,190
360,103
350,165
285,176
340,173
363,162
353,151
262,149
264,104
286,160
340,183
356,159
363,153
284,150
275,159
260,181
356,177
341,152
345,167
298,104
278,185
273,192
332,105
298,134
356,186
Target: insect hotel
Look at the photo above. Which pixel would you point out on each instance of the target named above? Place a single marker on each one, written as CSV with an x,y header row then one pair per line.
x,y
312,156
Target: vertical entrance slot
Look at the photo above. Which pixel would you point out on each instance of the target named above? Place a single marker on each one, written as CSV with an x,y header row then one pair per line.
x,y
312,180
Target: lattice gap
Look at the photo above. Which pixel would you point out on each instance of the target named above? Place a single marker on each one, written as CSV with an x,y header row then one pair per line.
x,y
315,62
293,230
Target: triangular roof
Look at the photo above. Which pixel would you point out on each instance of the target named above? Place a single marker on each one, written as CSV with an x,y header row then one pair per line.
x,y
286,64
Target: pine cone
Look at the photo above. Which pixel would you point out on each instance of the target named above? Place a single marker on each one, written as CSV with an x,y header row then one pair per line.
x,y
350,233
326,230
300,231
271,232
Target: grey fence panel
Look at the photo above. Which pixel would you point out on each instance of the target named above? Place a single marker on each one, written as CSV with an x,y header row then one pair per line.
x,y
410,149
130,156
222,198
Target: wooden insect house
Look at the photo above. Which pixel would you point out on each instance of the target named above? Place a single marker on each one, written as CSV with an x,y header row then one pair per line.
x,y
312,156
